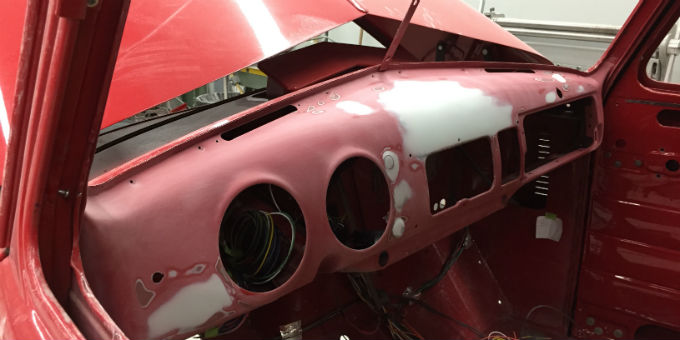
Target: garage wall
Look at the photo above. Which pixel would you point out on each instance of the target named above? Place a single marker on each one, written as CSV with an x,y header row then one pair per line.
x,y
603,12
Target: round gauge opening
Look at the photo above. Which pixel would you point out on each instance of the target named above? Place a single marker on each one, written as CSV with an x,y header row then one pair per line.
x,y
262,238
358,203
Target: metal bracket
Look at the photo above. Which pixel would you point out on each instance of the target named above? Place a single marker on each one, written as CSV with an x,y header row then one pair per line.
x,y
291,331
399,34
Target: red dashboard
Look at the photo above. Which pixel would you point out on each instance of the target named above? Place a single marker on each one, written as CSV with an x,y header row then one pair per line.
x,y
350,175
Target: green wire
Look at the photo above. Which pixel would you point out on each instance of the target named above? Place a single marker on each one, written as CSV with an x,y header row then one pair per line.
x,y
249,245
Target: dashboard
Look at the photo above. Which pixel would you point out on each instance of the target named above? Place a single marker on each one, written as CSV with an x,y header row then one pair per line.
x,y
347,176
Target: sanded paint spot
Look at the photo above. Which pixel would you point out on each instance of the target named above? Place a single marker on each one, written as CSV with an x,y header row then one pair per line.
x,y
197,269
144,295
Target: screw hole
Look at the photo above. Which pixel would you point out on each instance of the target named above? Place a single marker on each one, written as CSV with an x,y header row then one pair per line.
x,y
559,93
409,155
217,141
658,175
383,258
672,165
132,181
662,149
157,277
200,148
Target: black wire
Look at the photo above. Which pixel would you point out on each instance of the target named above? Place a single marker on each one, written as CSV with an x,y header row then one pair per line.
x,y
455,254
247,242
434,311
329,315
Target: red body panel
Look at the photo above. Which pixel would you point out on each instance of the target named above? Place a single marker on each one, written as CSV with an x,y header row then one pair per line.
x,y
630,262
163,40
630,256
59,54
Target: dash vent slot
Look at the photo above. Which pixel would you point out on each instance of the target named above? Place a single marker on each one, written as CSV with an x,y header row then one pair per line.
x,y
256,123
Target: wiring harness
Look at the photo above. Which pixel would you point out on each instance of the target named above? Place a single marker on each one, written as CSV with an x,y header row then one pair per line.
x,y
255,247
391,308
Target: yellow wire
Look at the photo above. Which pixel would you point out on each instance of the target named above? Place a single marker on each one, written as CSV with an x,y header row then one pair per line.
x,y
269,244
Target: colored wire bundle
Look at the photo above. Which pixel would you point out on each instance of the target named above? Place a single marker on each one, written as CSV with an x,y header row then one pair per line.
x,y
366,291
253,246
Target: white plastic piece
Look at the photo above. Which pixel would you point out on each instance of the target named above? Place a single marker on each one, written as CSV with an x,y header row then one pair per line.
x,y
549,227
391,161
191,307
442,203
435,206
399,227
445,114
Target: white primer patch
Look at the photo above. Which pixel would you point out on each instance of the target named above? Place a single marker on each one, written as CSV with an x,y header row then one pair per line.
x,y
264,26
550,97
4,121
402,192
580,89
172,273
399,227
559,78
438,114
354,108
192,306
